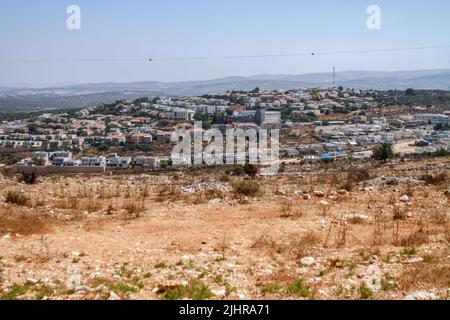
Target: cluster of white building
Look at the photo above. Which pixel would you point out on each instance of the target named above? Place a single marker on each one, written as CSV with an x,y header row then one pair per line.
x,y
65,159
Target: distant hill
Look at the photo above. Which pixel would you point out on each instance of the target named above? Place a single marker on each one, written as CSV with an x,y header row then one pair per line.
x,y
84,95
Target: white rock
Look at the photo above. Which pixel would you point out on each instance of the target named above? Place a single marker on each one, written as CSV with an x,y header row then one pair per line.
x,y
404,198
319,193
113,296
324,203
372,278
32,281
420,295
219,292
241,296
215,201
307,261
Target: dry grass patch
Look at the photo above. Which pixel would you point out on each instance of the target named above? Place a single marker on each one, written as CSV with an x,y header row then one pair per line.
x,y
289,210
23,224
425,275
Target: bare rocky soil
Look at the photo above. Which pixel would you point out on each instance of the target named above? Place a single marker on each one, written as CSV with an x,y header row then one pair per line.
x,y
316,231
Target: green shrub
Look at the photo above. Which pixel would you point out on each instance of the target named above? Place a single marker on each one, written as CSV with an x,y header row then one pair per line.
x,y
271,288
383,152
299,289
195,290
364,292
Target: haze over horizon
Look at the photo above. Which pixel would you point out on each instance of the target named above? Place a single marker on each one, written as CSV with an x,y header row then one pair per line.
x,y
232,76
39,51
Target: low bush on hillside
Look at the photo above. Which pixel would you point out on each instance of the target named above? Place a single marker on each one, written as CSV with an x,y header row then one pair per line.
x,y
247,188
17,198
436,179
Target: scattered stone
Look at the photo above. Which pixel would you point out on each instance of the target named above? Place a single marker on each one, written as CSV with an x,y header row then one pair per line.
x,y
420,295
324,203
216,186
215,201
393,181
319,193
372,278
307,196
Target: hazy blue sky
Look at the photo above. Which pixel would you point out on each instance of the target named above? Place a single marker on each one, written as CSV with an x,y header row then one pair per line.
x,y
133,29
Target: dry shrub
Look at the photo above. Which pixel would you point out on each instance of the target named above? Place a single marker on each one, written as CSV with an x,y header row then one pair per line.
x,y
436,179
266,242
348,185
16,198
425,276
416,238
354,177
399,213
93,205
145,192
204,196
224,178
251,170
168,193
23,224
247,188
409,190
289,210
69,203
134,209
440,217
301,245
111,209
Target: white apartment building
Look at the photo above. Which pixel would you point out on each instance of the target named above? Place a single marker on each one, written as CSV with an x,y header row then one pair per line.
x,y
182,115
93,161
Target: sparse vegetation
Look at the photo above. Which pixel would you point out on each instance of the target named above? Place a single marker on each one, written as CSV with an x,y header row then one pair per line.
x,y
364,292
437,179
195,290
247,188
264,239
271,288
16,198
299,289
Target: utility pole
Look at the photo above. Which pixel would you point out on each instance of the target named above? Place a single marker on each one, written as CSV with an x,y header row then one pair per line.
x,y
334,76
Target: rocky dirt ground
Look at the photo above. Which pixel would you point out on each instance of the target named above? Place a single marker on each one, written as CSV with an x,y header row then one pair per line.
x,y
340,230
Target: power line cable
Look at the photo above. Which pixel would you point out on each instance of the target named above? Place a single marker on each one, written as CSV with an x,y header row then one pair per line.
x,y
313,53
